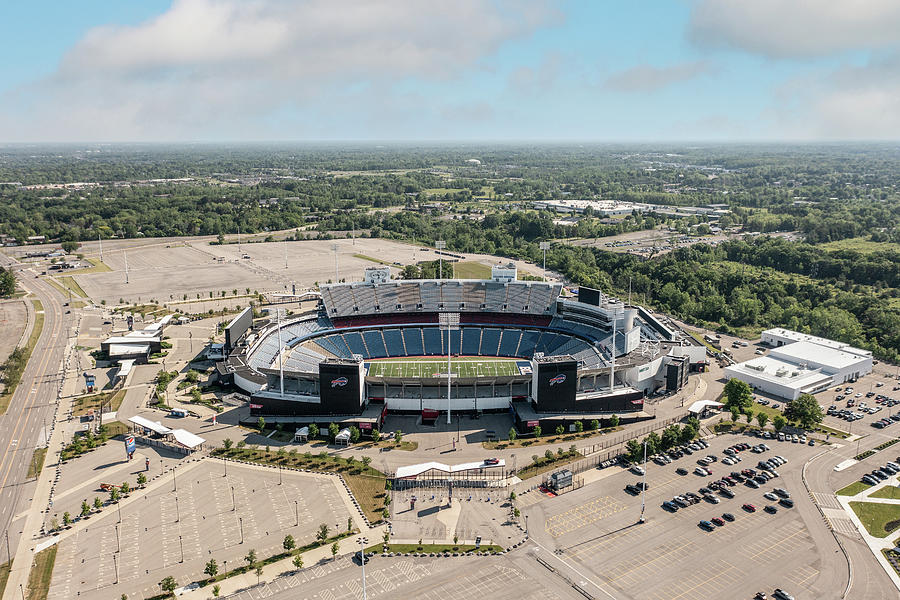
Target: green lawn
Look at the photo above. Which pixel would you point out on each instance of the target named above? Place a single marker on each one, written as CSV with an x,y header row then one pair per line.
x,y
69,282
431,367
860,244
37,462
41,572
889,491
879,519
36,330
471,270
4,575
853,489
369,258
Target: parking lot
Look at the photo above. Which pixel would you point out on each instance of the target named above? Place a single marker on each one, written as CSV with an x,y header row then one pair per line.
x,y
174,529
672,556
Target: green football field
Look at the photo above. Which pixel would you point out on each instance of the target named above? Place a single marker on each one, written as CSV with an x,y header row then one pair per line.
x,y
429,367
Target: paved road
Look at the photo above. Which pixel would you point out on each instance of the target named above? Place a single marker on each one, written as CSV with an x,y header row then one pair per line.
x,y
31,409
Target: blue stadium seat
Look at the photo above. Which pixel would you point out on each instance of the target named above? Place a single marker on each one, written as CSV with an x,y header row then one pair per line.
x,y
455,341
490,341
528,343
412,336
394,342
375,344
509,343
433,341
340,345
471,337
355,343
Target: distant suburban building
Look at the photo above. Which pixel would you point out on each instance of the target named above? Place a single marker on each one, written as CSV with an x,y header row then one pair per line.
x,y
800,363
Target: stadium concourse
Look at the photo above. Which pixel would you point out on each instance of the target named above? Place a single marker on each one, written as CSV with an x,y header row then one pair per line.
x,y
522,347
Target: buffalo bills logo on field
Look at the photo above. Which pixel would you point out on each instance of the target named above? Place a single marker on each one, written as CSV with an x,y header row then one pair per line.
x,y
561,378
339,382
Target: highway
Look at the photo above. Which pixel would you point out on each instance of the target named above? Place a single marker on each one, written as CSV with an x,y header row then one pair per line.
x,y
31,409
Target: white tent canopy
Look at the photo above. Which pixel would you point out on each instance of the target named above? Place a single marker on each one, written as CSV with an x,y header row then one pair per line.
x,y
700,405
155,427
301,434
343,437
187,439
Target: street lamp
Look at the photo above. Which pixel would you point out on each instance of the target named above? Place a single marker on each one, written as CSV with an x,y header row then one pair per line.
x,y
643,483
545,246
448,322
362,561
440,245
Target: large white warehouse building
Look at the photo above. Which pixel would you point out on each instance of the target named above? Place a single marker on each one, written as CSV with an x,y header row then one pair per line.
x,y
801,364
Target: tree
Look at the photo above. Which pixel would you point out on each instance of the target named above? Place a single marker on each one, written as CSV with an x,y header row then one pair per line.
x,y
227,444
259,572
141,479
212,568
114,494
512,435
313,431
761,419
67,519
366,461
260,424
217,589
398,437
354,434
737,394
670,436
688,433
322,534
376,435
595,424
85,508
654,443
635,450
735,414
779,422
98,503
560,430
748,413
289,544
333,431
125,487
251,557
537,431
805,410
298,562
579,426
614,421
350,521
70,247
334,550
192,376
168,584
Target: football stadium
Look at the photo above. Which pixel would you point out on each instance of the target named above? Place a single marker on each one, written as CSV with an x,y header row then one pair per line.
x,y
434,347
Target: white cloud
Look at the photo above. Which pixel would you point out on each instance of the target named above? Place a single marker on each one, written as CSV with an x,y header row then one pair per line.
x,y
796,28
241,69
649,78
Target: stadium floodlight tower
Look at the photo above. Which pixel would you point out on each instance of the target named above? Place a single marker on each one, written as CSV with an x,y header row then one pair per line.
x,y
449,322
545,246
440,245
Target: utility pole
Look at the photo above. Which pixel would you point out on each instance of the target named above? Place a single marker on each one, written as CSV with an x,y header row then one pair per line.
x,y
297,513
100,241
125,254
233,505
440,245
241,525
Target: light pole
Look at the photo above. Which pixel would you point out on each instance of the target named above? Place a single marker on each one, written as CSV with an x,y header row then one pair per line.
x,y
116,565
362,561
233,505
643,483
181,545
177,512
544,247
241,525
118,544
174,483
297,513
225,460
448,322
440,245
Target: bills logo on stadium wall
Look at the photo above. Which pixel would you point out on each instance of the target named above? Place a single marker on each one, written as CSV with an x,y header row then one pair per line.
x,y
339,382
561,378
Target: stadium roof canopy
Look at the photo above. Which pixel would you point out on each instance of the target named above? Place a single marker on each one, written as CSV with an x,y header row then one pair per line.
x,y
187,439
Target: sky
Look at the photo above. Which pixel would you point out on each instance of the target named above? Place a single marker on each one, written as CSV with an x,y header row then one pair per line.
x,y
460,70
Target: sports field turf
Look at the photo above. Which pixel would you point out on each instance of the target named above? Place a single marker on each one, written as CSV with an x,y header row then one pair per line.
x,y
466,367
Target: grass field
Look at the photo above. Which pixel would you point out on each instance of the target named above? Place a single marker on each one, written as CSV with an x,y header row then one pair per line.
x,y
71,285
853,489
471,270
428,367
861,245
4,575
889,491
879,519
41,572
37,462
